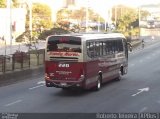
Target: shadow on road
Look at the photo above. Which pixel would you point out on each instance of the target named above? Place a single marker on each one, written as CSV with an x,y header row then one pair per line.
x,y
81,92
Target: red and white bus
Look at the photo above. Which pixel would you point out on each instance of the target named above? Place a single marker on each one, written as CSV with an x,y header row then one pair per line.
x,y
85,60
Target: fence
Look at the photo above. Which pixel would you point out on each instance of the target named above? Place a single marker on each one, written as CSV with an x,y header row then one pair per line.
x,y
21,60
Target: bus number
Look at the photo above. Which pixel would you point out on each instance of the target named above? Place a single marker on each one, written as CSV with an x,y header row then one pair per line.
x,y
63,65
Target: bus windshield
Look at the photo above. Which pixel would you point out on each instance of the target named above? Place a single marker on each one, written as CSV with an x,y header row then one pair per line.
x,y
64,44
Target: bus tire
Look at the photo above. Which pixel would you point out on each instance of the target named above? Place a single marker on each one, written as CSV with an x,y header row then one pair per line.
x,y
98,83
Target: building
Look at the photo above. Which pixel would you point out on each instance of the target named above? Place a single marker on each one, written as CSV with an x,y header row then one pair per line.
x,y
14,22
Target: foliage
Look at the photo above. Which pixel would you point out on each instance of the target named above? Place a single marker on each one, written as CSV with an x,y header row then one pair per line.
x,y
3,3
23,37
52,31
15,3
144,14
127,21
76,18
41,20
41,16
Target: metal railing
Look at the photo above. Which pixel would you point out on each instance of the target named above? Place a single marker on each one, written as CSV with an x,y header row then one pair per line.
x,y
21,60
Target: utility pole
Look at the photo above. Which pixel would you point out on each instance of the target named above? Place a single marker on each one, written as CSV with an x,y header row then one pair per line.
x,y
30,20
87,15
115,17
139,20
9,24
99,23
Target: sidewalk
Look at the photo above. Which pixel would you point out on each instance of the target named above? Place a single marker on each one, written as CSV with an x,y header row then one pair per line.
x,y
147,43
19,75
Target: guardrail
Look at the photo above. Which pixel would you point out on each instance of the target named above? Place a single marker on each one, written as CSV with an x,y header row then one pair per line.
x,y
21,60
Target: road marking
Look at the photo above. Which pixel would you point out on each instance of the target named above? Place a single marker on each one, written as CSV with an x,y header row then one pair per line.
x,y
132,64
41,82
158,101
141,90
140,61
148,57
153,54
9,104
36,87
143,109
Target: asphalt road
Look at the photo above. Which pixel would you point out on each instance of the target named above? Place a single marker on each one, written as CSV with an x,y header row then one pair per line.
x,y
137,92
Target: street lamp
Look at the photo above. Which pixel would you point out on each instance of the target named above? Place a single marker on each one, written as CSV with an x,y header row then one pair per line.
x,y
29,3
87,15
139,20
9,24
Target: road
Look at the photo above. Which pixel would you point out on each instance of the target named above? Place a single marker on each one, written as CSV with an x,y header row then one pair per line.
x,y
137,92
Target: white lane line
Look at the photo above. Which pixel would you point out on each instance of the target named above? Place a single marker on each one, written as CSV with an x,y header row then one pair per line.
x,y
9,104
143,109
132,64
153,54
41,82
36,87
140,61
158,101
148,57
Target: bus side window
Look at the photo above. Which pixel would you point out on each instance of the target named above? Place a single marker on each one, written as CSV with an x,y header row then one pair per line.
x,y
104,48
107,48
90,49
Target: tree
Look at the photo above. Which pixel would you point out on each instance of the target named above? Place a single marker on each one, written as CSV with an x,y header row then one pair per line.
x,y
52,31
41,16
15,3
63,19
41,20
127,21
144,14
3,3
72,20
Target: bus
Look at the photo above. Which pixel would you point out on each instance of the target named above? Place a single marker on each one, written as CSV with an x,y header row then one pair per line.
x,y
85,60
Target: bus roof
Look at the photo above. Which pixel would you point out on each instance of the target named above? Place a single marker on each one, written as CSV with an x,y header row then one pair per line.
x,y
89,36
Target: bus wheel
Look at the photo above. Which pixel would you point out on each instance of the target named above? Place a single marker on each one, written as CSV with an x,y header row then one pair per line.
x,y
98,85
119,76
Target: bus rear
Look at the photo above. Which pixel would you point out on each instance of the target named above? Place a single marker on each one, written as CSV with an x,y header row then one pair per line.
x,y
64,62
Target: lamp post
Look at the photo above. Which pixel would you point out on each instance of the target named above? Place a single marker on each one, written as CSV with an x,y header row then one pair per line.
x,y
9,24
139,20
99,24
87,15
29,3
